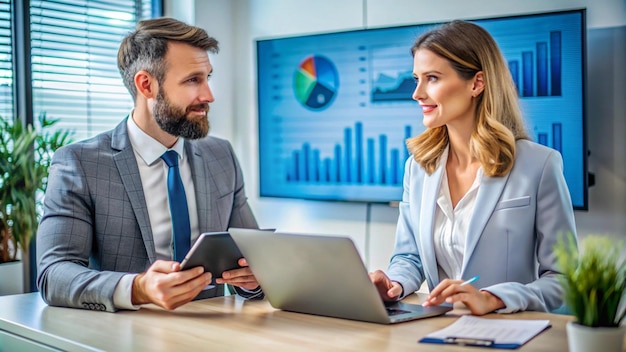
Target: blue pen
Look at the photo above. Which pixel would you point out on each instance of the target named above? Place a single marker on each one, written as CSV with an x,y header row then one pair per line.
x,y
470,281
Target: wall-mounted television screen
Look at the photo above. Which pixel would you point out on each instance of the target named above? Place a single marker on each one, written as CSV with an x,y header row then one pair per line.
x,y
335,109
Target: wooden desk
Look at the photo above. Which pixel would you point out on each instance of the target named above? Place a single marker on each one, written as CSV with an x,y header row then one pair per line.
x,y
226,323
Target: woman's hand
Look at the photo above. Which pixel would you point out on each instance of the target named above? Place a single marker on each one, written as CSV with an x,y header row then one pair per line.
x,y
387,289
451,291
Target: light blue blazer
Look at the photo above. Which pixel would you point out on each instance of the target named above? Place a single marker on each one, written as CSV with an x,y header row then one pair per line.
x,y
516,222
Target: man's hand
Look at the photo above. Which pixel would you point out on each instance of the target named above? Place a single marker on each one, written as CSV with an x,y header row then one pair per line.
x,y
240,277
387,289
451,291
166,286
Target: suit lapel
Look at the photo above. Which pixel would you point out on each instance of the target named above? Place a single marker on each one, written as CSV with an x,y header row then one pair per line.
x,y
201,185
427,216
124,158
486,200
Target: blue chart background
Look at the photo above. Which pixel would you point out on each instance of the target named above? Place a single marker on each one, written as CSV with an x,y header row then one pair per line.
x,y
354,148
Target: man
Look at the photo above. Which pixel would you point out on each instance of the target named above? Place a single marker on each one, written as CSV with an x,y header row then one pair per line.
x,y
107,238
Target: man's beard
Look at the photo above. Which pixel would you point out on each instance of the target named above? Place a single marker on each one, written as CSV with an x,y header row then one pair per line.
x,y
174,120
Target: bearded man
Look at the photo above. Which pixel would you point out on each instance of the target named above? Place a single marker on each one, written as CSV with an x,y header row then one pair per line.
x,y
121,209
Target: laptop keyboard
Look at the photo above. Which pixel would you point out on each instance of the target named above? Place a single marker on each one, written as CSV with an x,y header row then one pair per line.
x,y
395,311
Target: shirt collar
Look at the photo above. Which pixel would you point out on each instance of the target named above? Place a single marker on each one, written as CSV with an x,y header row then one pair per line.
x,y
148,148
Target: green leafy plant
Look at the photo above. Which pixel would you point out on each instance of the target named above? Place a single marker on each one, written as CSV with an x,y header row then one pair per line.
x,y
25,156
593,279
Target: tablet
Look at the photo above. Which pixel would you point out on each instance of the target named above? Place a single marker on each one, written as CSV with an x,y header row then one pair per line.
x,y
215,251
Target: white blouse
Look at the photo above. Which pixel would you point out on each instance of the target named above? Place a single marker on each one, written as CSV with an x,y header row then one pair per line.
x,y
451,224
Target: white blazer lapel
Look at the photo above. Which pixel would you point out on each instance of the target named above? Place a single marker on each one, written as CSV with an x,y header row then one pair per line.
x,y
430,191
486,200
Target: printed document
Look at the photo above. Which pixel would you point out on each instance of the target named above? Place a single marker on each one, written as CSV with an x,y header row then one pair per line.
x,y
496,333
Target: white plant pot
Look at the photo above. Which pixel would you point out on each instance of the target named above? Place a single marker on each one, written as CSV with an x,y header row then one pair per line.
x,y
11,278
581,338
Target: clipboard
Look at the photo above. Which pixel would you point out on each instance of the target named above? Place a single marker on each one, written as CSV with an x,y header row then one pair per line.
x,y
488,333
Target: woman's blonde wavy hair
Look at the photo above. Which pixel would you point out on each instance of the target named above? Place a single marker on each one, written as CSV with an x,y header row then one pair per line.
x,y
470,49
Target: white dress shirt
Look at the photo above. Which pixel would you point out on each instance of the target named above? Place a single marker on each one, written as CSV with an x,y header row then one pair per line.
x,y
153,172
451,225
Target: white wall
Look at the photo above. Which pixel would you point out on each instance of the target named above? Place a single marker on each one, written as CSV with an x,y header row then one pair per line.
x,y
233,116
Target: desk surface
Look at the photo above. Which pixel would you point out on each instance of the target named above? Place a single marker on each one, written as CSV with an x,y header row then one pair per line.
x,y
230,323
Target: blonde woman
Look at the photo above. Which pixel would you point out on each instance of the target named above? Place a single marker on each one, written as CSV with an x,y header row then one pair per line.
x,y
480,199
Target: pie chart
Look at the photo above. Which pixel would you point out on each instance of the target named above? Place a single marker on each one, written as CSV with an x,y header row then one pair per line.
x,y
316,82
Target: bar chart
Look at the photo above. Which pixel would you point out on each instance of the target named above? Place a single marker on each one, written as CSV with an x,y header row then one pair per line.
x,y
355,160
540,68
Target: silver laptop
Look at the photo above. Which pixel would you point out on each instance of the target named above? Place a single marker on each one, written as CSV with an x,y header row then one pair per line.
x,y
321,275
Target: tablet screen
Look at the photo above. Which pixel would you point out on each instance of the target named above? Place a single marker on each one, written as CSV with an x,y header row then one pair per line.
x,y
215,251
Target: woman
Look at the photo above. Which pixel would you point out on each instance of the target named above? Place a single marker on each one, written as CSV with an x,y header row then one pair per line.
x,y
479,199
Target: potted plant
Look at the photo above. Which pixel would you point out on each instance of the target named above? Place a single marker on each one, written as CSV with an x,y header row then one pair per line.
x,y
594,281
25,155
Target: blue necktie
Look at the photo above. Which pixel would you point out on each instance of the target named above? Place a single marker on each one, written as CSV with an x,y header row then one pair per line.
x,y
181,230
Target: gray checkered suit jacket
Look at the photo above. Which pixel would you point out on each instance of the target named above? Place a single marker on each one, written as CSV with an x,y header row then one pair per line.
x,y
95,226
